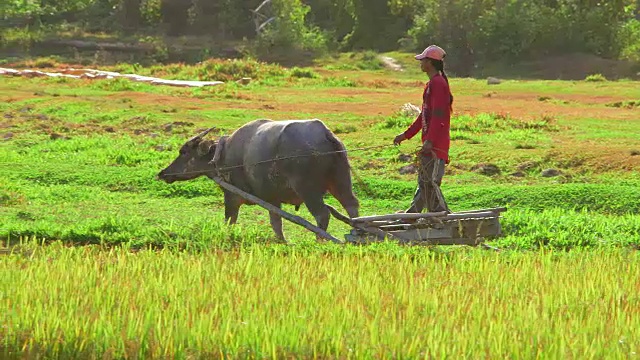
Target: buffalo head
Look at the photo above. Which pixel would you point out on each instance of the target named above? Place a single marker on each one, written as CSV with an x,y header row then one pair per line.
x,y
193,159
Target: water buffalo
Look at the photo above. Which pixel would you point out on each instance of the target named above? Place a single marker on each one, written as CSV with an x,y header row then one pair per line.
x,y
242,159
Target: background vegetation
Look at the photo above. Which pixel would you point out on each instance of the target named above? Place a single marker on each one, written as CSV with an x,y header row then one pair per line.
x,y
475,33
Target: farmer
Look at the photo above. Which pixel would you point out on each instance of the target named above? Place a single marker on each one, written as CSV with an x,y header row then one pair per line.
x,y
434,121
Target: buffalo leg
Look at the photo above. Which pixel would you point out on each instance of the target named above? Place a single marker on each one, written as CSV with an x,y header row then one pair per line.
x,y
342,190
318,209
276,224
231,207
348,201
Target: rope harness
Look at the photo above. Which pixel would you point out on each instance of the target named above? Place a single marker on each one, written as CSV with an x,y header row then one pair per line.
x,y
312,154
364,185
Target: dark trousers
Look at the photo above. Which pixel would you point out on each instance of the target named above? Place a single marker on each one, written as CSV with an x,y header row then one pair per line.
x,y
428,192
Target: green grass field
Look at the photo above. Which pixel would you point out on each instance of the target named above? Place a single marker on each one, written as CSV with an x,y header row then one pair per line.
x,y
103,261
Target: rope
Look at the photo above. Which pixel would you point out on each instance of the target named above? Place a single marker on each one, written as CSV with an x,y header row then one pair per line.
x,y
227,168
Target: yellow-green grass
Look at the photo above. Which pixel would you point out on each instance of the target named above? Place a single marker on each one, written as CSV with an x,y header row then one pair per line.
x,y
278,301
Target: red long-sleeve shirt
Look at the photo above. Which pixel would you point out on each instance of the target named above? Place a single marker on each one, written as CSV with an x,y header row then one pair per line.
x,y
434,124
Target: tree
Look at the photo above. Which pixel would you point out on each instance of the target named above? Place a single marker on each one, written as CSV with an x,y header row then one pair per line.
x,y
175,14
375,26
288,37
334,16
130,13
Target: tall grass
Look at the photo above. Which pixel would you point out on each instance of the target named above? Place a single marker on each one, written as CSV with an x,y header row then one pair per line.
x,y
257,303
211,69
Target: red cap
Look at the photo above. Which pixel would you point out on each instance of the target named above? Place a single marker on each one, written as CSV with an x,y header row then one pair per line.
x,y
433,52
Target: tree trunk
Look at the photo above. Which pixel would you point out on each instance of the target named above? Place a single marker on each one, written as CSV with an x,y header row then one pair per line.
x,y
207,18
374,25
131,16
175,14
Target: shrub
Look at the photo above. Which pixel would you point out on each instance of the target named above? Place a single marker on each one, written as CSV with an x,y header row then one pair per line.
x,y
234,69
631,104
478,31
303,73
230,70
595,78
369,60
344,129
117,84
396,120
629,39
289,34
338,82
47,62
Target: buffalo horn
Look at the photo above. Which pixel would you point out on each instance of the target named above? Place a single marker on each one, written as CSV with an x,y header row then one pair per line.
x,y
201,135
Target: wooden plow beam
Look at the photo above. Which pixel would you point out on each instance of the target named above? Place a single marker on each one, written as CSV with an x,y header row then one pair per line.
x,y
293,218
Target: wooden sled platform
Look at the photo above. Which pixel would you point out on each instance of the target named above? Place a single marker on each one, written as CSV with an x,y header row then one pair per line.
x,y
461,228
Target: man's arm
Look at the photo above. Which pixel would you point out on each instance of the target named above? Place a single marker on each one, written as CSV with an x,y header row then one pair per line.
x,y
410,132
414,128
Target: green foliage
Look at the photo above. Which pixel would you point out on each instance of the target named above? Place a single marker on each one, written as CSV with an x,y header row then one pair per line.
x,y
23,37
595,78
344,129
368,60
335,17
15,8
375,27
303,73
629,39
492,122
151,11
118,84
630,104
562,230
480,123
396,121
332,81
361,60
228,70
472,32
211,70
478,30
289,33
47,62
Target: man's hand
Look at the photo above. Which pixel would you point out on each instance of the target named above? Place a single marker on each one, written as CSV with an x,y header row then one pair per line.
x,y
398,139
427,146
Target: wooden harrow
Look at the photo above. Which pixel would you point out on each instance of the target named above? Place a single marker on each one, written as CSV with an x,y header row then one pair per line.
x,y
433,228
